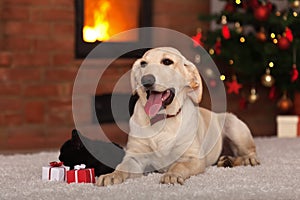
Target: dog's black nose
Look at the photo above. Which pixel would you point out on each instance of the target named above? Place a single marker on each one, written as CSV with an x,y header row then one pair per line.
x,y
148,80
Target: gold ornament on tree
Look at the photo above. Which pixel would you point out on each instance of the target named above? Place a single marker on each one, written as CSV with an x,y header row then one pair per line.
x,y
261,35
253,97
284,104
238,27
267,79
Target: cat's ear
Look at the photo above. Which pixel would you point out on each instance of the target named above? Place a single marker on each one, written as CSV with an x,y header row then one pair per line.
x,y
75,140
75,134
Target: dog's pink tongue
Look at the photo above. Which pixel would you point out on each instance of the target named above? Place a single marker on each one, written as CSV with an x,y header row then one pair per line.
x,y
153,104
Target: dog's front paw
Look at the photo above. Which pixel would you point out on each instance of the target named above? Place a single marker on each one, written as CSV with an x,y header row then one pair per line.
x,y
172,178
110,179
250,160
228,161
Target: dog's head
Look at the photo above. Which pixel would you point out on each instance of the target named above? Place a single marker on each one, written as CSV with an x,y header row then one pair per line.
x,y
163,78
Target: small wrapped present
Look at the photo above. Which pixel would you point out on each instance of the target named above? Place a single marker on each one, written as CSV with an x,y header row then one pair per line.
x,y
288,126
81,175
56,171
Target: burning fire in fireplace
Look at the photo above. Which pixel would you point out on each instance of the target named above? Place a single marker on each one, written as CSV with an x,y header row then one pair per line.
x,y
98,30
104,18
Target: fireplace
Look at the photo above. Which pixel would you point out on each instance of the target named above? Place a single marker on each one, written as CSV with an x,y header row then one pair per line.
x,y
97,20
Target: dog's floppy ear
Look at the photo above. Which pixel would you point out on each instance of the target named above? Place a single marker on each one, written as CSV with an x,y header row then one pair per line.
x,y
132,76
194,82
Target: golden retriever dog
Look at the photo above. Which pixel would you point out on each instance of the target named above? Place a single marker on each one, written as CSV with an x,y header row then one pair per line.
x,y
169,132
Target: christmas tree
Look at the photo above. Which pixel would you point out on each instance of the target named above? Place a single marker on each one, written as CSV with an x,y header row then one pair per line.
x,y
256,43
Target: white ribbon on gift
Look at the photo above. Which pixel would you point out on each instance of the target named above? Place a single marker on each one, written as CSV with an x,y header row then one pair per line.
x,y
78,167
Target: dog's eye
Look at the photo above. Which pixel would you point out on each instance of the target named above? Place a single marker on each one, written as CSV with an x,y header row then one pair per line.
x,y
143,64
167,61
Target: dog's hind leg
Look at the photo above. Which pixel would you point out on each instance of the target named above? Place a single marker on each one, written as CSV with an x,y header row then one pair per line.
x,y
241,143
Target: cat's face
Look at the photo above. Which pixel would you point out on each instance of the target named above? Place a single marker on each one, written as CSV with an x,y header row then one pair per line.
x,y
73,151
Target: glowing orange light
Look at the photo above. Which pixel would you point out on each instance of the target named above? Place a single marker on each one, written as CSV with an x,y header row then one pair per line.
x,y
105,18
99,31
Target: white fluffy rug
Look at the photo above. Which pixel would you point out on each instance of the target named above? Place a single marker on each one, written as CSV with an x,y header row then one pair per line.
x,y
278,177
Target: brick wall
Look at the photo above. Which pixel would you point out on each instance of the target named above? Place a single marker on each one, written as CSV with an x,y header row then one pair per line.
x,y
180,15
37,66
37,69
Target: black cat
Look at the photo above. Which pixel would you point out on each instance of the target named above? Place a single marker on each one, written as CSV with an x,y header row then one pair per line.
x,y
81,150
74,152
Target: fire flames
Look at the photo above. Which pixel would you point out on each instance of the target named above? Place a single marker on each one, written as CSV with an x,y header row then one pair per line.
x,y
99,30
105,18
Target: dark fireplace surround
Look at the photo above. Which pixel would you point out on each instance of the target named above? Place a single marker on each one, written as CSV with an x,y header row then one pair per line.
x,y
82,48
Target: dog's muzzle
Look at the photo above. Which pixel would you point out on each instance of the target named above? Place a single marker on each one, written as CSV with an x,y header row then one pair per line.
x,y
157,100
148,80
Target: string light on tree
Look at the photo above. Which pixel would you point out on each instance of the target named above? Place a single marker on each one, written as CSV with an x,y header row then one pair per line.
x,y
278,13
211,51
209,73
197,59
272,35
296,4
238,27
267,79
295,14
253,97
242,39
271,64
238,2
222,77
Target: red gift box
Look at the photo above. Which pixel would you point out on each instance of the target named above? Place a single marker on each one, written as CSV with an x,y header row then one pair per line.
x,y
81,175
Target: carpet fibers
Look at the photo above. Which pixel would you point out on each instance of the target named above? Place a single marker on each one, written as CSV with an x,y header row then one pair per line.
x,y
278,177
